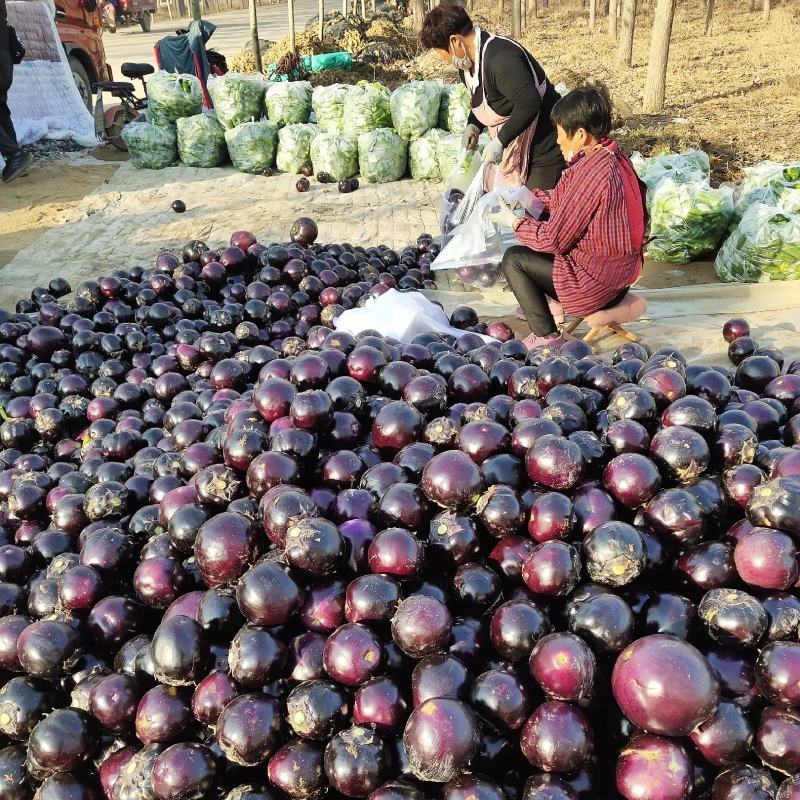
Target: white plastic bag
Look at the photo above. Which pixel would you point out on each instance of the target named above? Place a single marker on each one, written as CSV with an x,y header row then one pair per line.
x,y
400,315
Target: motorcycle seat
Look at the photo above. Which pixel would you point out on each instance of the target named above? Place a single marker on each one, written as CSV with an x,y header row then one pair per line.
x,y
113,87
131,70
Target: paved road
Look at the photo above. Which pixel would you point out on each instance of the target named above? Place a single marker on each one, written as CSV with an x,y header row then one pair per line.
x,y
233,30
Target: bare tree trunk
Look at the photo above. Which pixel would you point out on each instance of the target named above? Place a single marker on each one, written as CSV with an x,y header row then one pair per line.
x,y
363,9
709,17
321,19
612,20
627,25
418,11
765,12
344,8
659,56
254,35
533,9
516,18
752,5
592,13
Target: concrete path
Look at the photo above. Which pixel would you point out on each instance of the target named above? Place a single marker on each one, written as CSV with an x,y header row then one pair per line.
x,y
233,30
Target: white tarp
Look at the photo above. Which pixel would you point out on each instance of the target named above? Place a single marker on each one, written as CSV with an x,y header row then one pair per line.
x,y
44,101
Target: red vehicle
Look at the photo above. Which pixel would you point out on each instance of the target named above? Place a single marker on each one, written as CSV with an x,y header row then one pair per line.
x,y
80,30
117,13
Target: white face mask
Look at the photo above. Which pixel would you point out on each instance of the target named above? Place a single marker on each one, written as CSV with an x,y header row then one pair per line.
x,y
464,63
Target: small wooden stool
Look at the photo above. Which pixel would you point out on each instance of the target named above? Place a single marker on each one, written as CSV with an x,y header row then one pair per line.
x,y
631,308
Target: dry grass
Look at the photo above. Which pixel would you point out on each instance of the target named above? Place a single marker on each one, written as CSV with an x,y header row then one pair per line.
x,y
734,94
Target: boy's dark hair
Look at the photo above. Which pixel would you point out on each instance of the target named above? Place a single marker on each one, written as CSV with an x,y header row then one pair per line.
x,y
587,107
442,22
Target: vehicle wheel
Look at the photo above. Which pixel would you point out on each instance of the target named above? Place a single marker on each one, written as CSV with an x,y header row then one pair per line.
x,y
146,21
114,130
82,81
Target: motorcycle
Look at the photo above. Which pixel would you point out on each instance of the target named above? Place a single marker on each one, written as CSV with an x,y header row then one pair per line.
x,y
118,13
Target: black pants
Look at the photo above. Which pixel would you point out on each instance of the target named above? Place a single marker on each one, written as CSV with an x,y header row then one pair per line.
x,y
545,176
530,276
8,136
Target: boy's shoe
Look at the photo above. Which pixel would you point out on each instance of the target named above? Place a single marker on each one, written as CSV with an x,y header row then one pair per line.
x,y
554,342
16,165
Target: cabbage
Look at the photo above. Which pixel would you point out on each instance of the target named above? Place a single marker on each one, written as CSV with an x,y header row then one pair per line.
x,y
764,247
294,147
288,103
335,154
367,109
382,156
237,98
328,104
150,146
252,145
457,166
689,167
688,219
171,96
201,141
422,156
455,108
415,108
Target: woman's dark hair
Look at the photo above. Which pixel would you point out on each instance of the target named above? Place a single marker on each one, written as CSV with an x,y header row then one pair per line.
x,y
587,107
441,23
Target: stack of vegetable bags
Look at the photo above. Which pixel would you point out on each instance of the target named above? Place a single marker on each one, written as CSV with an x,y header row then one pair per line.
x,y
382,156
765,245
252,146
687,219
335,154
288,103
150,146
237,98
367,109
171,96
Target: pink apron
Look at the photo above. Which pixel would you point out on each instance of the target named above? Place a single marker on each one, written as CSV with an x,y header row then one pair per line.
x,y
512,171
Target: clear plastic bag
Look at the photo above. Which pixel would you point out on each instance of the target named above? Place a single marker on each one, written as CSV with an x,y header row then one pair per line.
x,y
294,147
335,154
764,247
415,108
237,98
688,220
454,108
769,174
172,95
252,146
150,146
367,109
288,103
457,166
201,141
691,166
328,103
382,156
422,159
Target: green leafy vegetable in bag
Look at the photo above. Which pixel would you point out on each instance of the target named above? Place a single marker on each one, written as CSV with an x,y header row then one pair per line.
x,y
764,247
457,166
423,161
288,103
150,146
171,96
455,108
201,141
335,154
252,145
294,147
367,109
328,103
382,156
237,98
415,108
687,220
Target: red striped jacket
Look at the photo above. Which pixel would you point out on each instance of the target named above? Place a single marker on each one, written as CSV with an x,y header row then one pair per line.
x,y
589,230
